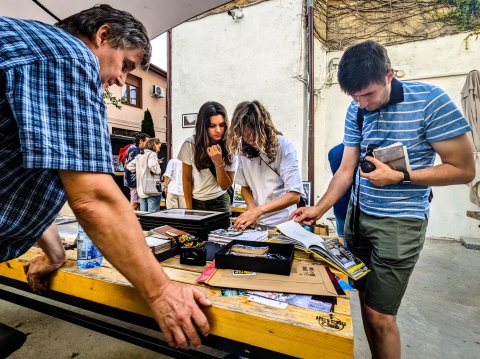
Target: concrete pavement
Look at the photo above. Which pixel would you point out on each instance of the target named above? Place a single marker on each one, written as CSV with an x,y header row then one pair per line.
x,y
439,317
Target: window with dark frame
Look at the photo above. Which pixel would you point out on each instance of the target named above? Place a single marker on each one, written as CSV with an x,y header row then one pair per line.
x,y
124,132
132,91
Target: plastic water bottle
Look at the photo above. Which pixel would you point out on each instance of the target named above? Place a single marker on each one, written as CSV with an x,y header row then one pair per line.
x,y
88,255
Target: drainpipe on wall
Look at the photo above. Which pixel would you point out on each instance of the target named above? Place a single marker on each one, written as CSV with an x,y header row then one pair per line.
x,y
311,109
169,95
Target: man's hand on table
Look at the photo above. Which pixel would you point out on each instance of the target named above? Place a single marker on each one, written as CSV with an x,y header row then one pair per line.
x,y
179,316
37,271
54,256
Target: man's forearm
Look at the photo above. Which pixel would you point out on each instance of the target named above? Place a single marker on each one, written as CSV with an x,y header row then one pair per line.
x,y
51,244
106,216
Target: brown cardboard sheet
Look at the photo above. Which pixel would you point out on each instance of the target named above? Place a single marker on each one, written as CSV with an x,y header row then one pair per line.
x,y
306,277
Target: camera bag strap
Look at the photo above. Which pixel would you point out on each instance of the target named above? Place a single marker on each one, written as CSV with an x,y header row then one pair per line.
x,y
355,216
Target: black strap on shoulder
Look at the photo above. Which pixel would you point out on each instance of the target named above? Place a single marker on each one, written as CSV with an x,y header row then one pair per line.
x,y
355,216
360,119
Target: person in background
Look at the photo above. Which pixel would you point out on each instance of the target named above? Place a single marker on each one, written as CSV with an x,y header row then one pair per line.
x,y
129,178
147,161
51,115
208,168
340,207
388,214
174,184
268,168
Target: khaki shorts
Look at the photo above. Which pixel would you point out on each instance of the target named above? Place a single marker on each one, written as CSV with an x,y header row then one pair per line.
x,y
390,247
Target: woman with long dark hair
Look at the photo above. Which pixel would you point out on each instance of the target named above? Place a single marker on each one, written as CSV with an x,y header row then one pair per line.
x,y
208,168
267,167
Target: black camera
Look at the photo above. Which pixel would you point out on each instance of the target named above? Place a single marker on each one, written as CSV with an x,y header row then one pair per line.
x,y
365,165
250,151
194,256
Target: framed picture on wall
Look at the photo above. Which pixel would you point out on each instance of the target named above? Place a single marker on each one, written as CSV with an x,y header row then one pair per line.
x,y
189,120
307,186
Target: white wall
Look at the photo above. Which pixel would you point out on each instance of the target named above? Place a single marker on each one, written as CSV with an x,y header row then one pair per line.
x,y
443,62
261,57
258,57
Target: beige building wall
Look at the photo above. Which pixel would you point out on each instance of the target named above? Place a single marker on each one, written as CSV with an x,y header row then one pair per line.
x,y
130,117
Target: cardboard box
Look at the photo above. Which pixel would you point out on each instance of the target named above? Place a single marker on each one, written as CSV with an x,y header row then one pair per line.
x,y
275,265
306,277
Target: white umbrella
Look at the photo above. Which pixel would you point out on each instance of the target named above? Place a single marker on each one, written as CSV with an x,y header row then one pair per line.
x,y
157,16
471,109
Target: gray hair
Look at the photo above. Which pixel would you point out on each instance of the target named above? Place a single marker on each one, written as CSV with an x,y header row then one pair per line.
x,y
126,32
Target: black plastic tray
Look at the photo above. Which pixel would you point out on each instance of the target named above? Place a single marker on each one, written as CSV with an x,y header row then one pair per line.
x,y
257,264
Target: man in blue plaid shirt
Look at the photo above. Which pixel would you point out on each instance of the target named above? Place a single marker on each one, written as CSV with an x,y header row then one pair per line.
x,y
55,145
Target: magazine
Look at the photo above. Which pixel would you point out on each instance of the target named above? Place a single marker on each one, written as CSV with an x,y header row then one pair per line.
x,y
328,249
394,155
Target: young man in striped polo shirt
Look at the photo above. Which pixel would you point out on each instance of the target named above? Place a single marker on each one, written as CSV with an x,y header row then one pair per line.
x,y
392,206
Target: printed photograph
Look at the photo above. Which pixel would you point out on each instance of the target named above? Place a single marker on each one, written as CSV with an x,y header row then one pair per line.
x,y
189,120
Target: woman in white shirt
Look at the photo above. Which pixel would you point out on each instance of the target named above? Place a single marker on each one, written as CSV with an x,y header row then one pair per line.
x,y
268,168
174,184
147,161
208,168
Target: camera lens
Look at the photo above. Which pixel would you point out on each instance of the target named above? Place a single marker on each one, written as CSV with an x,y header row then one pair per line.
x,y
367,166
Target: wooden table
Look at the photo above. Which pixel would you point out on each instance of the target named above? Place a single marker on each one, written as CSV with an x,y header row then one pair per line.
x,y
237,325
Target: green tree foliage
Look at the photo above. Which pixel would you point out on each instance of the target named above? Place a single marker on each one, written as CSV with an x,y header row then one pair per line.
x,y
464,12
109,99
147,124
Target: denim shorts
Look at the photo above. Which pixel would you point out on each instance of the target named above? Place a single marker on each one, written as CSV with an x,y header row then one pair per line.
x,y
389,247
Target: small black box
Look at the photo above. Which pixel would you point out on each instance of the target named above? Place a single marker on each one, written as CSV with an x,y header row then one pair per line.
x,y
280,265
166,254
194,256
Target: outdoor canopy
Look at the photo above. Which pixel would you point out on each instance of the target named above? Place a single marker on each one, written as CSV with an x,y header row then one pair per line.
x,y
471,108
157,16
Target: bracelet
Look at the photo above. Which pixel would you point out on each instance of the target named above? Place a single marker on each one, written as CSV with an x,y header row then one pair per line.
x,y
223,164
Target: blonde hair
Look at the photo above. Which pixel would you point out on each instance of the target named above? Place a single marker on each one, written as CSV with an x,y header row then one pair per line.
x,y
254,116
150,145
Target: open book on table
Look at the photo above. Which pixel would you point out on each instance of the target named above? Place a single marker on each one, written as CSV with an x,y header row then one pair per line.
x,y
394,155
328,249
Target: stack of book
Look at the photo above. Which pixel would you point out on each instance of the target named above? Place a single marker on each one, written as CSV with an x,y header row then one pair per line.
x,y
198,223
225,236
394,155
157,244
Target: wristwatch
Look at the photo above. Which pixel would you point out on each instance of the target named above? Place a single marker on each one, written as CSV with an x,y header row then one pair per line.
x,y
406,178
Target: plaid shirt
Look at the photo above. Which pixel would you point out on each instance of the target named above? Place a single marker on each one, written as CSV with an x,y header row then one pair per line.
x,y
52,117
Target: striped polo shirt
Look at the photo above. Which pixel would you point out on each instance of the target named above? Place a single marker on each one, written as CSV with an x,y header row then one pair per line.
x,y
417,115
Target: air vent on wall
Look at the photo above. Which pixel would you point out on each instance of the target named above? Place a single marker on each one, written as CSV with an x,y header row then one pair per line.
x,y
158,91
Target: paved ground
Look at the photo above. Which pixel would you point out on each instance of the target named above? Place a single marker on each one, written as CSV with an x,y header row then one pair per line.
x,y
439,317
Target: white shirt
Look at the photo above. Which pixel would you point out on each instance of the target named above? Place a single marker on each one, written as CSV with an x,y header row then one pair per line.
x,y
148,161
174,173
266,185
204,184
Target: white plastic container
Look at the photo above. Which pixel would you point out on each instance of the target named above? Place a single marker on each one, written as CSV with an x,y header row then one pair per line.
x,y
88,255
